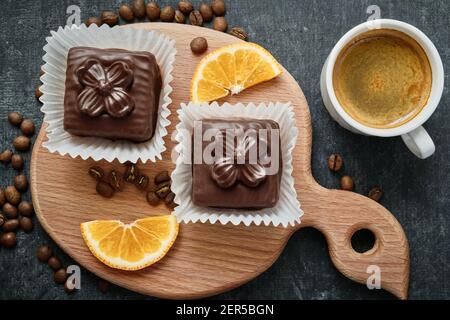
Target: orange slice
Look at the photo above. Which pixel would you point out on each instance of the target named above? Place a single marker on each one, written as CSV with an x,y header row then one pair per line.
x,y
231,69
131,246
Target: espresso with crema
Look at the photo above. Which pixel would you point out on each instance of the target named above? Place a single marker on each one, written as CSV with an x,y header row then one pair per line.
x,y
382,78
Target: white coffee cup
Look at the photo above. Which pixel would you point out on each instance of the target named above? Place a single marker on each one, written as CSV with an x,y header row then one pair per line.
x,y
414,135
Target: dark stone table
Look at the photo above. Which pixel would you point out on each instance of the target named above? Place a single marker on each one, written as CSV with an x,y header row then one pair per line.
x,y
300,34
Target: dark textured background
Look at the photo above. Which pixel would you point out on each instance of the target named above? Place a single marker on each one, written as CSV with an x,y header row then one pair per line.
x,y
300,34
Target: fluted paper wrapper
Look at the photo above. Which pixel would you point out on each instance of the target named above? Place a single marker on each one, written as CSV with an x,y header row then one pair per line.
x,y
286,212
53,90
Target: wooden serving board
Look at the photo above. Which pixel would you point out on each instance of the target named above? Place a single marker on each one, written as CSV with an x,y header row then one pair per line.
x,y
210,259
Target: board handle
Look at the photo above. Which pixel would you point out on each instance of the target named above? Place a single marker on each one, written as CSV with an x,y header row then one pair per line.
x,y
340,215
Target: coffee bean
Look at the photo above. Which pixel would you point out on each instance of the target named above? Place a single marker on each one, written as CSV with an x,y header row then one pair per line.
x,y
131,173
38,92
21,143
142,182
335,162
27,127
376,194
220,24
152,198
8,240
169,198
96,172
239,32
60,276
6,156
93,20
110,18
347,183
153,11
199,45
167,14
21,183
10,225
10,211
54,263
179,16
15,118
218,7
126,13
104,189
185,6
2,197
138,7
17,162
162,176
44,253
69,286
103,286
2,220
115,180
195,18
163,184
206,12
12,195
26,209
162,192
26,224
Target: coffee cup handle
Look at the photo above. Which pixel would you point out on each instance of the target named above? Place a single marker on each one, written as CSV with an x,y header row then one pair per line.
x,y
420,143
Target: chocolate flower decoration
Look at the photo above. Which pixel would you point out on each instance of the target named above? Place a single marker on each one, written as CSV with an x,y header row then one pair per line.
x,y
226,171
105,89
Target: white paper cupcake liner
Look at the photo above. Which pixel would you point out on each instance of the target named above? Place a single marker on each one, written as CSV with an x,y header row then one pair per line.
x,y
53,89
286,212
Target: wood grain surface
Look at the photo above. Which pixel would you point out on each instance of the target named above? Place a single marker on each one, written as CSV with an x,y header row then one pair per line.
x,y
209,259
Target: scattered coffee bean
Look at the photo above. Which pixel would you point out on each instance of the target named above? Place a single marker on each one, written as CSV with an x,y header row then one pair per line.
x,y
44,253
153,11
93,20
60,276
152,198
54,263
376,194
26,224
163,192
185,6
206,12
104,189
21,183
163,184
6,156
335,162
2,220
220,24
69,286
162,176
167,14
218,7
26,209
10,211
138,7
179,16
38,92
239,32
347,183
131,173
169,198
21,143
96,172
103,286
115,180
110,18
10,225
199,45
12,195
8,240
15,118
126,13
27,127
195,18
2,197
142,182
17,162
